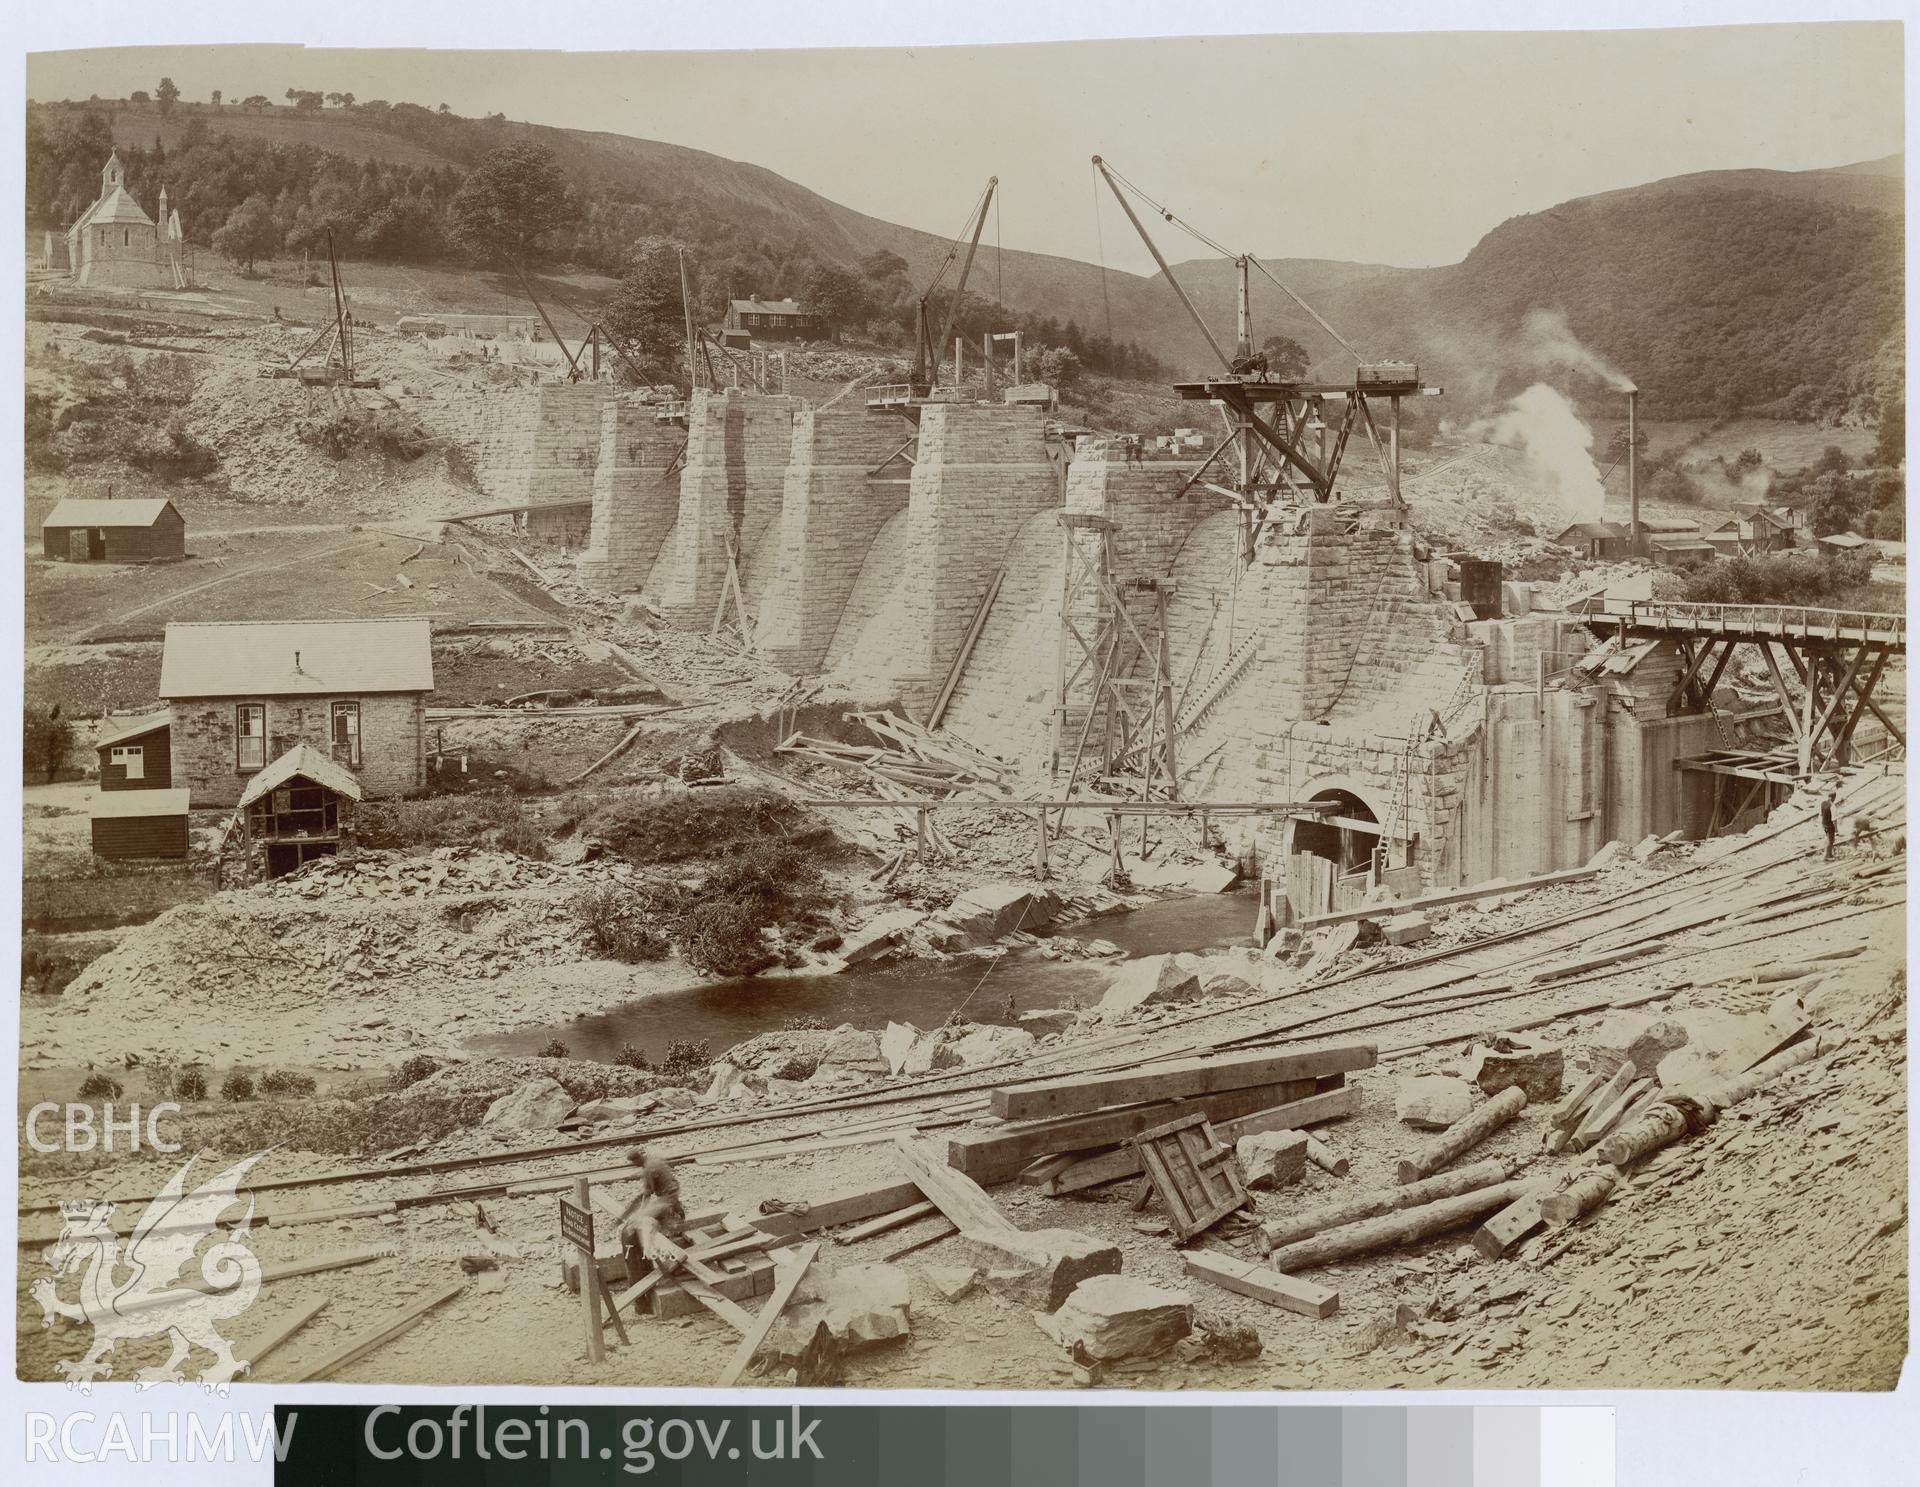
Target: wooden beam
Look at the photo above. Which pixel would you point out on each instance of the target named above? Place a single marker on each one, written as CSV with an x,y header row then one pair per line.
x,y
955,1194
252,1353
789,1277
899,1218
1245,1279
990,1155
1125,1162
1173,1080
1450,896
358,1347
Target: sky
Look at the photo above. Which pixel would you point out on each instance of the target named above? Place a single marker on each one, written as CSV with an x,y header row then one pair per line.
x,y
1401,149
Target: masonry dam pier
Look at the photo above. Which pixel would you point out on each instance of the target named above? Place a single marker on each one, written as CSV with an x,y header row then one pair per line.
x,y
1029,587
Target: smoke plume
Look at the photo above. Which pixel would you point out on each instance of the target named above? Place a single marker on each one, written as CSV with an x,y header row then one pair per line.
x,y
1548,342
1556,447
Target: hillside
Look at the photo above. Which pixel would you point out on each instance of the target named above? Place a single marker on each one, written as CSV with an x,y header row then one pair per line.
x,y
1720,292
1729,291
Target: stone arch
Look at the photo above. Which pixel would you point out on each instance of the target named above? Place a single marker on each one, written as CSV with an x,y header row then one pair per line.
x,y
1348,845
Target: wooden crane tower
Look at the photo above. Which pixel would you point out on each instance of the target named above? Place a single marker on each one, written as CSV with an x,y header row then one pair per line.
x,y
1285,438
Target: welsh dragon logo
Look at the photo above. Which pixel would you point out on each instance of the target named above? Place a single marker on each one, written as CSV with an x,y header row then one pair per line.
x,y
149,1290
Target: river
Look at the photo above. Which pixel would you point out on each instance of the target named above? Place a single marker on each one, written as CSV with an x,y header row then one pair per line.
x,y
922,992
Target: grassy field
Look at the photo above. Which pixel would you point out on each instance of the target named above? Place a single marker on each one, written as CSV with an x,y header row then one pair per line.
x,y
1784,446
273,574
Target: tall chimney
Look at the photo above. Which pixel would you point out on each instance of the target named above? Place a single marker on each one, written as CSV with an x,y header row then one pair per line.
x,y
1633,471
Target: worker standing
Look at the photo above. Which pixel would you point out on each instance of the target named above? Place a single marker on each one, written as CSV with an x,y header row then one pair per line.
x,y
1826,823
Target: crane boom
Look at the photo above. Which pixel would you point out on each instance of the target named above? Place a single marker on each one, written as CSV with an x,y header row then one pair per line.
x,y
926,350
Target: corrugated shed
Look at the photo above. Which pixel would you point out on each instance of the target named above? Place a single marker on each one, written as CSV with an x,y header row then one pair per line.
x,y
289,658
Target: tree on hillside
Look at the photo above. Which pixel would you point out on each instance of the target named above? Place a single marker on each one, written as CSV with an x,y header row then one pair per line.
x,y
1833,461
167,94
139,95
1839,503
214,98
883,265
249,234
46,737
255,102
1890,446
516,201
1286,357
645,315
833,293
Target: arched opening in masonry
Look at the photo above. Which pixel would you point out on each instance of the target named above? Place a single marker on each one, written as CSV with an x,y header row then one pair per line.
x,y
1345,838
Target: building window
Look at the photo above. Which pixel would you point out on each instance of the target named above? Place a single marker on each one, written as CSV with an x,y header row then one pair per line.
x,y
126,237
250,736
346,733
131,762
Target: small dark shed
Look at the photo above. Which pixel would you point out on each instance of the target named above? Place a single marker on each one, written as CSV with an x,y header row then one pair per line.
x,y
132,824
114,532
138,756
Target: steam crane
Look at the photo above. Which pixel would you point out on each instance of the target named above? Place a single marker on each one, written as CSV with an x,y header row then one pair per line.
x,y
1269,419
927,346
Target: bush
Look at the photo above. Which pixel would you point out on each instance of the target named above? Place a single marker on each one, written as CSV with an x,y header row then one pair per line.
x,y
490,817
45,739
1809,578
685,1060
630,1057
618,924
767,885
191,1085
236,1087
803,1022
695,823
99,1086
554,1049
286,1082
416,1068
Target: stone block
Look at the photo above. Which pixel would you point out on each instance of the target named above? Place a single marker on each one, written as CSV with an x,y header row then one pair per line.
x,y
1432,1102
858,1305
538,1105
1272,1158
1038,1268
1151,981
1537,1068
1115,1316
1407,929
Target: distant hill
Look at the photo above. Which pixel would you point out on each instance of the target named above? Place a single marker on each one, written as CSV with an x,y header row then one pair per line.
x,y
1718,292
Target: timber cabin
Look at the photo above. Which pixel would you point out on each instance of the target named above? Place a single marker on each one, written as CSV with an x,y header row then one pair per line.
x,y
773,319
298,808
242,694
138,756
129,825
77,531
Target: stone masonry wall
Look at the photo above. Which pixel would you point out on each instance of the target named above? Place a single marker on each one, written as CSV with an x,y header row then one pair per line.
x,y
392,741
980,471
738,447
830,512
634,503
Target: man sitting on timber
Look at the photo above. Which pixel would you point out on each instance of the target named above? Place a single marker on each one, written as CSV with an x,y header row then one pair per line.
x,y
658,1206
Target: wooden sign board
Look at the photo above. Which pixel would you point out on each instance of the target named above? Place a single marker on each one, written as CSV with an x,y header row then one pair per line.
x,y
576,1228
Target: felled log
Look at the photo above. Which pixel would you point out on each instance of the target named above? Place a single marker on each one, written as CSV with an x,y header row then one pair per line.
x,y
1581,1196
1405,1227
1464,1135
1298,1226
1323,1158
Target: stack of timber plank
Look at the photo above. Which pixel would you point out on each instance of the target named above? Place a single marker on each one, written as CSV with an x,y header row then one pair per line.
x,y
1090,1118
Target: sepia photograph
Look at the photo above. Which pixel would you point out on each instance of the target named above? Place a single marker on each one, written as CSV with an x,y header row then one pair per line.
x,y
1192,713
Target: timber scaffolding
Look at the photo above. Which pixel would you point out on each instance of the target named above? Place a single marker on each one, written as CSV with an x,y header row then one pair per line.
x,y
1172,1117
1838,657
